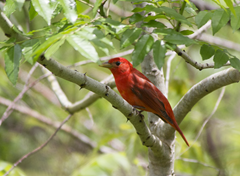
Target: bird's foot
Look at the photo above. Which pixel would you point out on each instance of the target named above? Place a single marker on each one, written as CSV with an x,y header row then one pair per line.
x,y
139,113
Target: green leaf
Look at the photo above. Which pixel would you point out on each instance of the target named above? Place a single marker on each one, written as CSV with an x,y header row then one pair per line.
x,y
230,5
32,13
136,17
151,18
220,58
83,46
12,61
186,32
97,37
174,15
235,19
219,19
28,47
159,52
9,7
45,45
116,26
69,10
163,31
235,63
45,8
96,6
142,48
52,49
19,4
178,39
153,23
129,36
207,51
202,18
4,48
191,8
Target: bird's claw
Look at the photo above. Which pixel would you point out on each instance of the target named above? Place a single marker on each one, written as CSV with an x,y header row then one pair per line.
x,y
139,113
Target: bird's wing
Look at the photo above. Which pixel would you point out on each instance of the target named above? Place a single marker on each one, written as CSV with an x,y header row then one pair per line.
x,y
151,97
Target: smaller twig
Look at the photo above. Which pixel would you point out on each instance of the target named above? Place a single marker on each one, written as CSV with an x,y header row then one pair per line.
x,y
220,42
90,97
197,162
40,147
84,2
20,95
213,112
181,12
30,73
91,118
108,8
57,89
198,32
195,64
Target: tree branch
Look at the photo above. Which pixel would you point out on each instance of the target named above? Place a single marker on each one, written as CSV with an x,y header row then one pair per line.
x,y
106,92
198,91
195,64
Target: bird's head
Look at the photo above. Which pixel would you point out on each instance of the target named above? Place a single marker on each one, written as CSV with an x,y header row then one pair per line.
x,y
118,65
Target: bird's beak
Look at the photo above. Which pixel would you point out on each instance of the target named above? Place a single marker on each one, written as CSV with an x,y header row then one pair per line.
x,y
106,65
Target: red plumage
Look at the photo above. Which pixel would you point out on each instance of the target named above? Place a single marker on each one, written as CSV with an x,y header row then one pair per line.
x,y
140,92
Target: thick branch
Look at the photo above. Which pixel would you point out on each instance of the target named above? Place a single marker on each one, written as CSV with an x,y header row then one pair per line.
x,y
198,91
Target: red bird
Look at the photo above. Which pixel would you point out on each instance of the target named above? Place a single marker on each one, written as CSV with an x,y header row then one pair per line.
x,y
140,92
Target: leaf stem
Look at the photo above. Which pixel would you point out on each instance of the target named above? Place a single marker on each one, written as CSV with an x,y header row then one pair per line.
x,y
181,12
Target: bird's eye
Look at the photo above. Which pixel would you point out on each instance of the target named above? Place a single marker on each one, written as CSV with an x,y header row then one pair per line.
x,y
118,63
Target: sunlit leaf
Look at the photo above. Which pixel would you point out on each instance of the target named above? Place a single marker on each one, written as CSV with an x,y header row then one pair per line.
x,y
69,9
96,6
45,8
32,12
142,48
52,49
230,5
83,46
9,7
45,45
12,60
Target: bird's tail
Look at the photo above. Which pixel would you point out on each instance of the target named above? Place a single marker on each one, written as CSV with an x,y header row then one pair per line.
x,y
176,127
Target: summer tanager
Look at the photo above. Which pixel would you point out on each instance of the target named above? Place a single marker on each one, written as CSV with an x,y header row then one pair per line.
x,y
140,92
